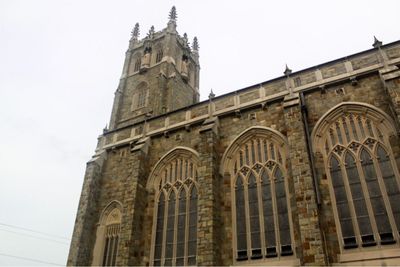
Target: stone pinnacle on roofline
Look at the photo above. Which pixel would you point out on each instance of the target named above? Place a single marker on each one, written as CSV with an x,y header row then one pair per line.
x,y
287,71
172,14
135,32
376,43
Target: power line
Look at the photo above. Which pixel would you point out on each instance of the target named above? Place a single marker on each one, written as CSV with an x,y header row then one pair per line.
x,y
37,237
33,231
30,259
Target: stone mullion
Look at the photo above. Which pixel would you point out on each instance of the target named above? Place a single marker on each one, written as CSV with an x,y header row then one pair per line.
x,y
304,192
209,234
83,236
134,202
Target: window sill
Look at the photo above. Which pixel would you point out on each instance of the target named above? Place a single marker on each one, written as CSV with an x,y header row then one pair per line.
x,y
268,262
369,255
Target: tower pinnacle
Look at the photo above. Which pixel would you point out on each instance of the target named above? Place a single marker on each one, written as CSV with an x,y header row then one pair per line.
x,y
185,39
376,43
172,14
135,32
287,71
195,44
150,34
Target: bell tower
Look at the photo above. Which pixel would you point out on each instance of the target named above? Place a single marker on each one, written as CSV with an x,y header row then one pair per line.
x,y
160,74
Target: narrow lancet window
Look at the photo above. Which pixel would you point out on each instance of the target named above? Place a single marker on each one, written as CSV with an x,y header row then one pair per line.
x,y
159,231
240,220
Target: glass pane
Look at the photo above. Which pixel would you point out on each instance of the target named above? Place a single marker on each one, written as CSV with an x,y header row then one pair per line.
x,y
378,207
191,261
360,206
192,246
180,249
392,187
106,249
269,227
170,227
179,261
281,203
254,213
240,215
159,228
341,199
115,249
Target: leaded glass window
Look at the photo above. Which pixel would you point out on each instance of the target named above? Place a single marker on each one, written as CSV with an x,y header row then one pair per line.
x,y
107,236
159,55
138,63
262,221
364,179
140,95
175,224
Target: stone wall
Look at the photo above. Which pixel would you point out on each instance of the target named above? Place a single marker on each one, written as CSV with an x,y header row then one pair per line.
x,y
209,128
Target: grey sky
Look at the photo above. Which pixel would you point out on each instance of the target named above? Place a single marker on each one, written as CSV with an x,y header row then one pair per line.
x,y
60,63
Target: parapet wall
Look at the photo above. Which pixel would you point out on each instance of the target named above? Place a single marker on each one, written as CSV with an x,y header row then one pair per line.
x,y
317,77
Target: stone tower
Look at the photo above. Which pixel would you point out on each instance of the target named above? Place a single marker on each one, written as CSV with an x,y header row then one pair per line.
x,y
160,74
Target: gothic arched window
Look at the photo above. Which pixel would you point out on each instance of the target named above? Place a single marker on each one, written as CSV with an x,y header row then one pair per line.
x,y
140,96
135,63
174,180
159,55
107,237
138,63
364,181
262,222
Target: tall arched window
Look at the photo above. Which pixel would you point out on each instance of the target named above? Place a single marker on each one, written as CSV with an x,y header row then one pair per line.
x,y
140,96
107,236
256,162
159,55
364,180
174,180
138,63
135,63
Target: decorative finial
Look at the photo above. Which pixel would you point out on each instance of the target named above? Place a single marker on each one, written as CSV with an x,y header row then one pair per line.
x,y
185,39
287,71
211,95
376,43
195,45
135,32
172,14
151,32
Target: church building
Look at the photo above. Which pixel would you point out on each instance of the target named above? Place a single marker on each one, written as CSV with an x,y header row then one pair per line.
x,y
302,169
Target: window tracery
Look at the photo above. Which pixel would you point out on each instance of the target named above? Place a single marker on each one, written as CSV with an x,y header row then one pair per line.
x,y
140,96
138,63
175,225
363,176
159,55
262,221
107,237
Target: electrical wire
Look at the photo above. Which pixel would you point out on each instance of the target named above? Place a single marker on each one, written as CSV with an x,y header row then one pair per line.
x,y
32,236
30,259
34,231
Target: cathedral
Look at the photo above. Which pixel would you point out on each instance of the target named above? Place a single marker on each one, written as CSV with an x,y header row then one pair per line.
x,y
302,169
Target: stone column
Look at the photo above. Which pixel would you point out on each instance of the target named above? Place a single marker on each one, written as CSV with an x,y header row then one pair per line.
x,y
209,209
311,246
84,236
131,244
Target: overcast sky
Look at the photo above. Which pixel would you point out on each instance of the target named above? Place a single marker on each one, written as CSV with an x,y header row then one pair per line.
x,y
60,63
